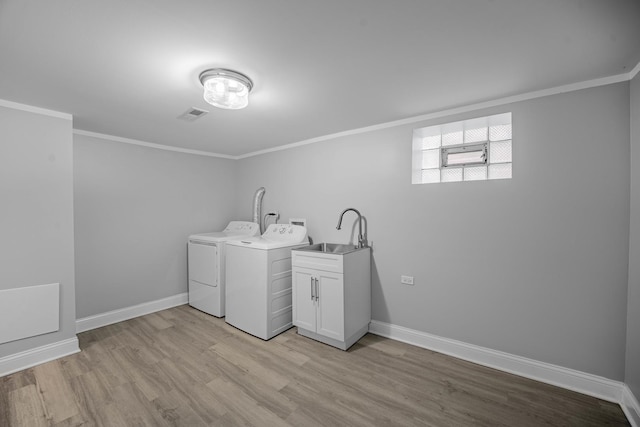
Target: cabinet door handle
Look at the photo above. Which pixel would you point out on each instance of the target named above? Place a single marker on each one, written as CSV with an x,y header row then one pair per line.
x,y
312,295
317,289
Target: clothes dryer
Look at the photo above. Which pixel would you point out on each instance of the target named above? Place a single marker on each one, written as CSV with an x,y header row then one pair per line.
x,y
206,258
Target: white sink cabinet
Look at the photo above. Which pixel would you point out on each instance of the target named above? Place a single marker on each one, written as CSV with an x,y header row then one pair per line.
x,y
332,295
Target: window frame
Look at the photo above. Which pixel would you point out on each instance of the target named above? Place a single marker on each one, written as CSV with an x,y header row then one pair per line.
x,y
433,144
446,151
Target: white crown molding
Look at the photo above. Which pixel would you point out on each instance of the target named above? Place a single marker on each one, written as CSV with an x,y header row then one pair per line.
x,y
150,144
435,115
115,316
581,382
452,111
37,110
26,359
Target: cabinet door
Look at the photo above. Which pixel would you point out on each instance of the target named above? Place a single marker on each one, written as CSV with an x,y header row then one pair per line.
x,y
330,305
304,307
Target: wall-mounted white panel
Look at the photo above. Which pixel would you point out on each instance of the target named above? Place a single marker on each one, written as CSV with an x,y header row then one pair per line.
x,y
30,311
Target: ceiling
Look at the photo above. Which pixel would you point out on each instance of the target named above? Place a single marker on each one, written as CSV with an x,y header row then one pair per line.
x,y
129,68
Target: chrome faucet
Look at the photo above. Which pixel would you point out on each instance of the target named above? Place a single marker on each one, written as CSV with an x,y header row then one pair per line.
x,y
361,242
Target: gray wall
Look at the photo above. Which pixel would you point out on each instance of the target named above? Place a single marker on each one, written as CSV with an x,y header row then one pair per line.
x,y
134,209
632,373
36,217
534,266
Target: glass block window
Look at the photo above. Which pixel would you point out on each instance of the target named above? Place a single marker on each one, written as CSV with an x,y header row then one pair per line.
x,y
470,150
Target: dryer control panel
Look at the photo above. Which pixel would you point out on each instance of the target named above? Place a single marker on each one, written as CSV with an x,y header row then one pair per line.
x,y
243,227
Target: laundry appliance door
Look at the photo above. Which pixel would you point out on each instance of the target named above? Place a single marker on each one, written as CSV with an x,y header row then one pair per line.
x,y
204,278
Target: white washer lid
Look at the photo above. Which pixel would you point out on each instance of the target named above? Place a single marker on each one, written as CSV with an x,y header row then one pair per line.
x,y
234,230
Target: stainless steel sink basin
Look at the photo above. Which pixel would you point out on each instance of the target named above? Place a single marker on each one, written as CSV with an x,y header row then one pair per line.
x,y
330,248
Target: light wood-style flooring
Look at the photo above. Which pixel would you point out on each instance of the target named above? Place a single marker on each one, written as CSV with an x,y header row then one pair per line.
x,y
185,368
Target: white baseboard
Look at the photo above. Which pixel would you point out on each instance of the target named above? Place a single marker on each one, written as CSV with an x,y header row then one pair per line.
x,y
35,356
630,406
115,316
570,379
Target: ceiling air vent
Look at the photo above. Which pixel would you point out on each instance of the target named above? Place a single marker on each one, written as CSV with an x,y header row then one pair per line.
x,y
192,114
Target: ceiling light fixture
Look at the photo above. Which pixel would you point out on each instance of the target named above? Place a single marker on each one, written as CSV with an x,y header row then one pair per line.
x,y
226,88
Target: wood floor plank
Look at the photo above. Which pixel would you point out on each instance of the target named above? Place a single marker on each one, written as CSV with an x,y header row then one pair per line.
x,y
157,321
109,371
56,391
145,375
8,384
206,403
16,381
253,387
247,362
91,394
272,349
111,415
278,358
75,365
135,407
367,392
4,405
74,421
183,367
390,347
197,409
26,407
186,416
242,408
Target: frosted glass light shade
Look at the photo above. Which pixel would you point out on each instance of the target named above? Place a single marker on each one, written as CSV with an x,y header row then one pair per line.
x,y
225,88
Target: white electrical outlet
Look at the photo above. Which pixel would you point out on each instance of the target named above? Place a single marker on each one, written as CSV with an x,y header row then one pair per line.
x,y
406,280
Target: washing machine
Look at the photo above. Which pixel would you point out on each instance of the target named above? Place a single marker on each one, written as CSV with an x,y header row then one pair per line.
x,y
206,258
258,294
